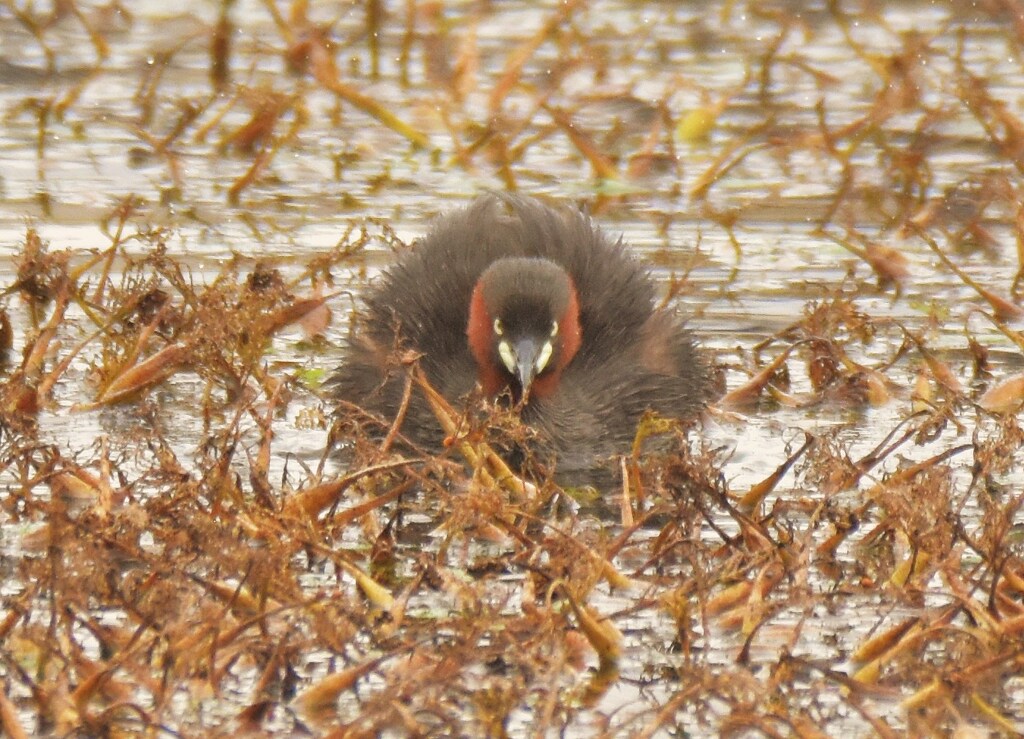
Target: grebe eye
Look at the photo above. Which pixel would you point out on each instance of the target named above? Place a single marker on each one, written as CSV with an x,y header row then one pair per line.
x,y
554,329
498,328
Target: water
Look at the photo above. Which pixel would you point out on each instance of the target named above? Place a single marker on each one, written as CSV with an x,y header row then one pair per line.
x,y
855,123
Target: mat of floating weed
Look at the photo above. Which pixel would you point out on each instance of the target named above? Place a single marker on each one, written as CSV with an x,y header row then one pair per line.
x,y
191,200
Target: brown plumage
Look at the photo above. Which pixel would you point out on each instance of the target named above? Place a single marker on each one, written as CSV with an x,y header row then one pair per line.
x,y
538,306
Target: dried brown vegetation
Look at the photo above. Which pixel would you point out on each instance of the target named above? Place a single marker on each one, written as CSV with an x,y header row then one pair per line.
x,y
183,571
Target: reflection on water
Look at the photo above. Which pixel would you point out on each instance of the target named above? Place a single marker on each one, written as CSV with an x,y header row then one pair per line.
x,y
78,136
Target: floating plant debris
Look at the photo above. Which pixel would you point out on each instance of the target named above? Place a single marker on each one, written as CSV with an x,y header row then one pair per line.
x,y
192,199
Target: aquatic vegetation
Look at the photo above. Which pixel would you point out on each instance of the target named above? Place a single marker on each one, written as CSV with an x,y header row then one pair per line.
x,y
192,542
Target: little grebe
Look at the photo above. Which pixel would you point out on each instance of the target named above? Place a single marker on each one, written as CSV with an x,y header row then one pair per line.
x,y
539,307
